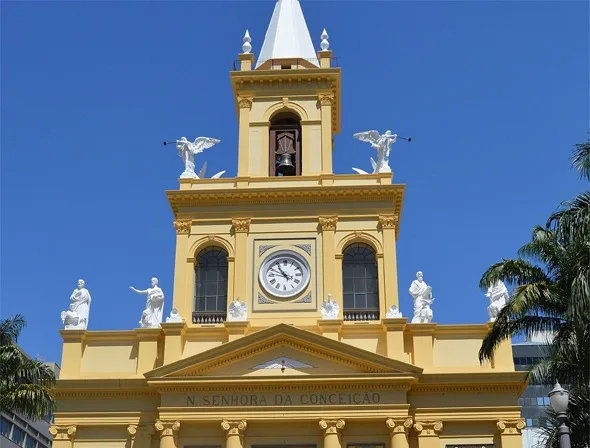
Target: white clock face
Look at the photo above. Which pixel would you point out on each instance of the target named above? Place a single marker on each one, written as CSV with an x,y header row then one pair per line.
x,y
284,274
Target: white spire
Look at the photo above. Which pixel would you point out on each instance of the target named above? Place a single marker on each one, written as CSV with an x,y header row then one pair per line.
x,y
287,36
324,44
246,46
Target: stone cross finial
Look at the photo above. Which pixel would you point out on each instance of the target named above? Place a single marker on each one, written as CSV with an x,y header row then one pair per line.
x,y
246,46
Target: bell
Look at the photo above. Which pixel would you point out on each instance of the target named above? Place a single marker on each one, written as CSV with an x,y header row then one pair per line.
x,y
286,167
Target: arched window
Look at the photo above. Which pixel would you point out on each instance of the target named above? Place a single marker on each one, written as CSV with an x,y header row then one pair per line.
x,y
211,286
360,283
285,145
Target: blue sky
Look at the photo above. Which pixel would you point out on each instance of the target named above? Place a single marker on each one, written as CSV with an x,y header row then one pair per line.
x,y
494,95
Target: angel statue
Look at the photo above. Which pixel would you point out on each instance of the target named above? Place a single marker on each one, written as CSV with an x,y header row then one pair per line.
x,y
187,151
382,143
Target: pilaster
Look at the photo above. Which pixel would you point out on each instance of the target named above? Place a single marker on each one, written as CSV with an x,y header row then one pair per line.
x,y
332,432
168,431
388,225
326,101
394,334
181,299
236,330
503,359
147,355
73,349
428,434
241,227
398,431
234,433
244,104
173,340
246,61
423,344
510,433
328,226
330,328
63,436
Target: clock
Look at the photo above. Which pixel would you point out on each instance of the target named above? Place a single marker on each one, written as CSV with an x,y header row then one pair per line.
x,y
284,274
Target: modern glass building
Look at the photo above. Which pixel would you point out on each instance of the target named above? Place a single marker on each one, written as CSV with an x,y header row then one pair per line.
x,y
17,432
535,398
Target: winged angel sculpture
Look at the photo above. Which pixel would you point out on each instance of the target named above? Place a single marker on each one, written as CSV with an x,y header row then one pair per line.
x,y
187,151
382,143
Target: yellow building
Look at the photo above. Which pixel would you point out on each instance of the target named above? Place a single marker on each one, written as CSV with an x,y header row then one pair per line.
x,y
279,238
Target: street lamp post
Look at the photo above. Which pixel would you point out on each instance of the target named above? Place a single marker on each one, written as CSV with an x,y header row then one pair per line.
x,y
559,398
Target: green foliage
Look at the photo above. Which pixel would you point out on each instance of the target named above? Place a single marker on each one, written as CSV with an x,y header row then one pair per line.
x,y
551,279
25,384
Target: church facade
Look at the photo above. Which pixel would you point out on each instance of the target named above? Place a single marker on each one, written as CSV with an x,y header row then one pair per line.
x,y
285,330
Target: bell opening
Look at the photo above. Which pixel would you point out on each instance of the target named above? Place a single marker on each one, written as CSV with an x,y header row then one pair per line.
x,y
285,145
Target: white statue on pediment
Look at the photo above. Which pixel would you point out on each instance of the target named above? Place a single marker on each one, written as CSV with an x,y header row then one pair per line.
x,y
382,143
154,305
237,311
76,318
422,295
330,309
498,295
187,150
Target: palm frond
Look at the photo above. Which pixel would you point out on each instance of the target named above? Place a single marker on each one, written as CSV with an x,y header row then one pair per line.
x,y
581,159
10,329
572,218
514,272
544,248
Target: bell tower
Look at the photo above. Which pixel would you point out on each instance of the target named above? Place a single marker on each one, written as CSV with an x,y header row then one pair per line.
x,y
288,104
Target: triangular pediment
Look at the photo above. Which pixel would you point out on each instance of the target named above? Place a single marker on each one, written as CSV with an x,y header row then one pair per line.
x,y
283,350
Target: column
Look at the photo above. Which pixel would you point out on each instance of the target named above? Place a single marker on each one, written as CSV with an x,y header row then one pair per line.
x,y
63,436
326,101
428,434
510,433
182,298
398,430
234,433
388,225
244,103
328,225
168,433
241,229
332,431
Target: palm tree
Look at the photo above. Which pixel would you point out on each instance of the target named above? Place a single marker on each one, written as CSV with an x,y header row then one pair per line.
x,y
25,384
573,218
552,294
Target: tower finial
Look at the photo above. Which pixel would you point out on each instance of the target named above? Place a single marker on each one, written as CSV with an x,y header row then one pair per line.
x,y
246,46
324,44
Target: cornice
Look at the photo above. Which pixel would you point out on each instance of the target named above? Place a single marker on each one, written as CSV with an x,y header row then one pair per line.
x,y
289,383
303,195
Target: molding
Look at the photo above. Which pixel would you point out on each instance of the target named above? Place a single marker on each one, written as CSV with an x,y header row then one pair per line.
x,y
241,225
390,195
234,428
398,425
183,226
332,426
328,222
428,429
511,427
